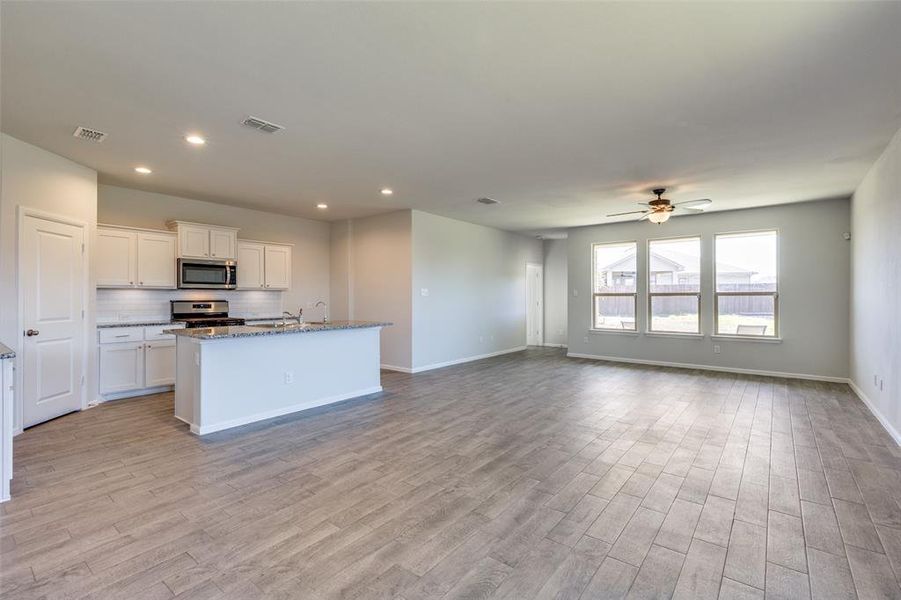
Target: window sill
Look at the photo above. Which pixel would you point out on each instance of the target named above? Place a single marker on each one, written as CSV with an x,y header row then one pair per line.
x,y
674,334
614,331
748,338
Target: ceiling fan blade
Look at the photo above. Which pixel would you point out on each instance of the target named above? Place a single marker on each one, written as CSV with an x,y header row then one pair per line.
x,y
632,212
645,216
695,204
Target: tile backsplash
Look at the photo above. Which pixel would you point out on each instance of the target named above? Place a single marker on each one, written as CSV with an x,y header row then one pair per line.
x,y
151,305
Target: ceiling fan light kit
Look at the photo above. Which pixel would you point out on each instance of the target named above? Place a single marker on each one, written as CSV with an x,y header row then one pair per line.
x,y
660,209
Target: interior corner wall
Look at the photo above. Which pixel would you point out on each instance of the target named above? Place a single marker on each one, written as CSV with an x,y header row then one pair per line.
x,y
36,179
379,268
555,286
876,288
814,270
475,278
340,284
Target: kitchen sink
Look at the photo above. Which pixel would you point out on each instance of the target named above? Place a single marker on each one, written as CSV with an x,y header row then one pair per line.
x,y
288,325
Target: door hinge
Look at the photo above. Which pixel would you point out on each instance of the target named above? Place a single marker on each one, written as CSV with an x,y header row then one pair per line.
x,y
82,314
82,381
82,248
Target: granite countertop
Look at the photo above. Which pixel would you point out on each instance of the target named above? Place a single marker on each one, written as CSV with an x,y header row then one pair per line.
x,y
152,323
217,333
6,352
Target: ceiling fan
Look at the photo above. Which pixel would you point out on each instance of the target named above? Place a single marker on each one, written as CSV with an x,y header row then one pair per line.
x,y
660,209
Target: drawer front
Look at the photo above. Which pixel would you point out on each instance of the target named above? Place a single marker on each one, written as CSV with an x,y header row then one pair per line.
x,y
156,332
113,335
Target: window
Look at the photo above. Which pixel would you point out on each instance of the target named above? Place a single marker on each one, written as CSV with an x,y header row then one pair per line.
x,y
746,299
674,285
614,294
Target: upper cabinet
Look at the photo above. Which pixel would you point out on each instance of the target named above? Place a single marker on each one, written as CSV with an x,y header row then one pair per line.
x,y
196,240
135,258
262,265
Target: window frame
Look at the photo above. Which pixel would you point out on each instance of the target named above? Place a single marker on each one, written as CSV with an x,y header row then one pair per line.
x,y
777,329
595,295
650,294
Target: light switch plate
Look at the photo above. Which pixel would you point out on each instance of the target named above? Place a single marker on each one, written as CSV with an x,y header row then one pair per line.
x,y
424,292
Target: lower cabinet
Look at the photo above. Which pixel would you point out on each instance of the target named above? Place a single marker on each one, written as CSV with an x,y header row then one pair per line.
x,y
135,366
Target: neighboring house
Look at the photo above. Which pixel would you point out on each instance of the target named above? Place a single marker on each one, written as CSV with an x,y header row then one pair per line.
x,y
669,268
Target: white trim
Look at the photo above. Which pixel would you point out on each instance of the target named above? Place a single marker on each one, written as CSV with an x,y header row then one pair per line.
x,y
457,361
747,338
550,345
395,368
102,398
675,334
632,332
886,424
285,410
660,363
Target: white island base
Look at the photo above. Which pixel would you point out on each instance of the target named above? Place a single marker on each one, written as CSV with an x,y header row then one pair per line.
x,y
241,377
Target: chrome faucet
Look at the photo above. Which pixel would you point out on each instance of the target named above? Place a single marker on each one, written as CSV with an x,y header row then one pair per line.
x,y
324,311
298,317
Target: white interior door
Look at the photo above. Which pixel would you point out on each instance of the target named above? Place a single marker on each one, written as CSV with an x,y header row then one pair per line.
x,y
52,269
534,305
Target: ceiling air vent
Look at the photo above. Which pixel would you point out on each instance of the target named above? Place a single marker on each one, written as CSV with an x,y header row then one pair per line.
x,y
266,126
487,201
92,135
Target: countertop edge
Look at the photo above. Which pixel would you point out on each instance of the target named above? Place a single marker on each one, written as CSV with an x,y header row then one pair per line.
x,y
245,331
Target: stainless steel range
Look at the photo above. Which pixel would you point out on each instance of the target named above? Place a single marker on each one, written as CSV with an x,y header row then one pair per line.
x,y
203,313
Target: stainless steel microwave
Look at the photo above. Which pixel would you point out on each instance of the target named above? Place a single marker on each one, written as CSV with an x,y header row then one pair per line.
x,y
197,273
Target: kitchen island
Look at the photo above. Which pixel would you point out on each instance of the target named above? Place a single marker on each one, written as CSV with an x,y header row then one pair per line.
x,y
231,376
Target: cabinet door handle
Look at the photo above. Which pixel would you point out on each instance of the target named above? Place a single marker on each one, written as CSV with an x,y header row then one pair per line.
x,y
123,335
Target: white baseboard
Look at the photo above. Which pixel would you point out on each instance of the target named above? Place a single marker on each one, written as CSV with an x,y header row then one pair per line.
x,y
132,394
660,363
549,345
285,410
450,363
886,424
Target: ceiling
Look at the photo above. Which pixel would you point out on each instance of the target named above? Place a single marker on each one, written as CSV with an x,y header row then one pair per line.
x,y
562,112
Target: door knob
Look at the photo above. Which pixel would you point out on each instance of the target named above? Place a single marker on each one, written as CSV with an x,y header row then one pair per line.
x,y
32,332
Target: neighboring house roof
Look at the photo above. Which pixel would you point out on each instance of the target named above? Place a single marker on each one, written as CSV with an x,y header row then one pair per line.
x,y
670,260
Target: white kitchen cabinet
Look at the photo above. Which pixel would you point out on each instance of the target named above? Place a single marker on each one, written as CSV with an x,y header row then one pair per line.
x,y
116,257
196,240
262,265
223,243
127,258
251,265
136,360
121,367
278,267
156,260
159,363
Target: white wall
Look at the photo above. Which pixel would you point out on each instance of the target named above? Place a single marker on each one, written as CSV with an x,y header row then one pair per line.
x,y
876,288
814,267
371,272
555,284
476,278
37,179
310,259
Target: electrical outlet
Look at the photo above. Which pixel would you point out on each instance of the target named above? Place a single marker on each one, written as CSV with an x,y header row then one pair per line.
x,y
586,339
716,348
575,293
289,377
424,292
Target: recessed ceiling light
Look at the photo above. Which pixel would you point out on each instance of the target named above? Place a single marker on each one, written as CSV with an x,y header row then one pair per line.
x,y
195,139
387,191
322,206
143,170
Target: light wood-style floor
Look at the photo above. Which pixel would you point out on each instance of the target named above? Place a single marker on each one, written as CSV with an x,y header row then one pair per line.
x,y
524,476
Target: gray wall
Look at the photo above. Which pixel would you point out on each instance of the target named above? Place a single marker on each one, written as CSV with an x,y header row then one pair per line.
x,y
814,267
309,260
371,271
555,284
476,277
34,178
876,286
